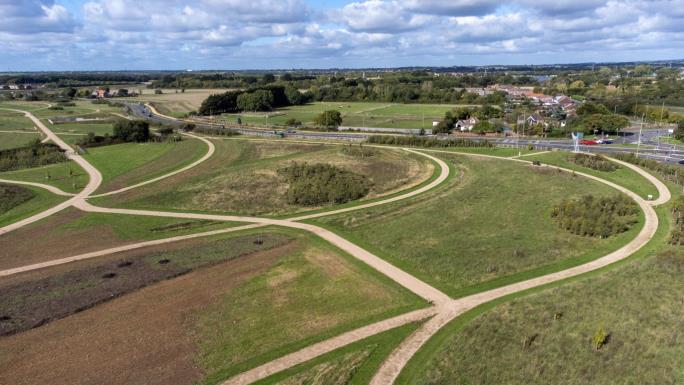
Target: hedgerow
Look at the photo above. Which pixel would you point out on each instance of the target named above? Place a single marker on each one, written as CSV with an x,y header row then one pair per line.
x,y
315,184
32,155
422,141
592,216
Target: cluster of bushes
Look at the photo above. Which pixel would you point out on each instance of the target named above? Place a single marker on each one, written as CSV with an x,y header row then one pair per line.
x,y
13,196
671,173
124,131
329,120
595,162
677,235
602,217
315,184
422,141
32,155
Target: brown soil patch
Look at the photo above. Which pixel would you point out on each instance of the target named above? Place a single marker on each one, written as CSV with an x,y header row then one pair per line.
x,y
141,338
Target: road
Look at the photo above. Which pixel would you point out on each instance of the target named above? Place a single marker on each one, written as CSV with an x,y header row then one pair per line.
x,y
665,153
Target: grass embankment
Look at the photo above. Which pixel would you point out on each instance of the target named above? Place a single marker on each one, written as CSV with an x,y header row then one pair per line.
x,y
243,178
546,337
67,176
126,164
490,226
273,315
354,364
623,176
41,200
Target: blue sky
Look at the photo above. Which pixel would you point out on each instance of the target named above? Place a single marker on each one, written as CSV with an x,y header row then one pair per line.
x,y
267,34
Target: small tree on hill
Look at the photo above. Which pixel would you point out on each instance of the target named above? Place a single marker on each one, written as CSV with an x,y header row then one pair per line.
x,y
330,120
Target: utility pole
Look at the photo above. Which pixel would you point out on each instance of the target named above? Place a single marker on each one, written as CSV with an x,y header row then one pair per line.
x,y
640,130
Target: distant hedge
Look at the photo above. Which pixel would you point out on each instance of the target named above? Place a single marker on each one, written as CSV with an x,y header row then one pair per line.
x,y
596,217
32,155
315,184
423,141
595,162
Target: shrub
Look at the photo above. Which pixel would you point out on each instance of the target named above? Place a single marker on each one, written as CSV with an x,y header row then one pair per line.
x,y
32,155
316,184
12,196
594,162
292,122
600,338
596,217
677,234
132,130
216,130
329,120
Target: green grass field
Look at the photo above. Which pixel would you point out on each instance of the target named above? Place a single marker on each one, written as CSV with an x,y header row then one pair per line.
x,y
622,176
14,140
13,121
242,178
272,314
637,302
491,225
354,114
126,164
42,200
67,176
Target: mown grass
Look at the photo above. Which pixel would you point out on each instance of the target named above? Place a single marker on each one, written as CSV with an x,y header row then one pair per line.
x,y
623,176
354,364
489,226
14,140
313,293
637,301
42,200
11,121
67,176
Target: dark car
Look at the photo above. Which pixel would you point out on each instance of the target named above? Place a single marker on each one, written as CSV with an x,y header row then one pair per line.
x,y
681,161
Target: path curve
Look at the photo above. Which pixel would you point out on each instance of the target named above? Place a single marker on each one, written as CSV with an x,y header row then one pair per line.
x,y
206,156
48,187
392,367
95,178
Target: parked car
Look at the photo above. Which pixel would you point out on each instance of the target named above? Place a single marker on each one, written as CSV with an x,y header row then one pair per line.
x,y
588,142
681,161
605,141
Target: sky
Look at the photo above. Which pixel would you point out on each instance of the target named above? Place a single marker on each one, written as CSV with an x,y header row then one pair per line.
x,y
54,35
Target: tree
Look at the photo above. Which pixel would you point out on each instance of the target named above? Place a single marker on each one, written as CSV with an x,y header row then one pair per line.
x,y
604,123
592,108
220,103
329,119
131,130
294,97
122,92
259,100
679,132
268,78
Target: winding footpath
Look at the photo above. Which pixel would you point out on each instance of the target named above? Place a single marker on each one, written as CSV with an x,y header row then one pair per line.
x,y
443,309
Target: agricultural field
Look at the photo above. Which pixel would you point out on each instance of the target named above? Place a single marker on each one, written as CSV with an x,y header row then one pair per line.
x,y
494,227
244,177
174,103
228,309
354,114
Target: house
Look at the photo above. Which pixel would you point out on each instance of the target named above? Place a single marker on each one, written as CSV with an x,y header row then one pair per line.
x,y
467,124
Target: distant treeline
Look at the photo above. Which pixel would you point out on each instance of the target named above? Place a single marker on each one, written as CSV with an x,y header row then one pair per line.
x,y
32,155
422,141
64,79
